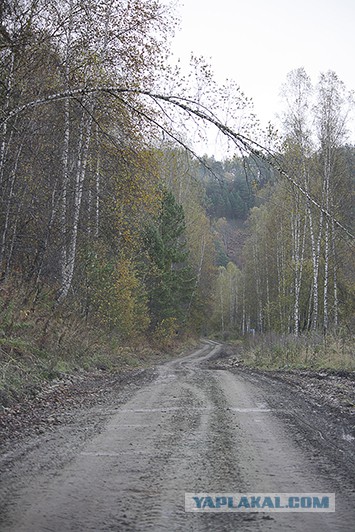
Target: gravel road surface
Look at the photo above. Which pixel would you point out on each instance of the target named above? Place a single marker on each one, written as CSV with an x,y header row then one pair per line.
x,y
125,462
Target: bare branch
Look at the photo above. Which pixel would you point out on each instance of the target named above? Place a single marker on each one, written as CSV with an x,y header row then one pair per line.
x,y
192,108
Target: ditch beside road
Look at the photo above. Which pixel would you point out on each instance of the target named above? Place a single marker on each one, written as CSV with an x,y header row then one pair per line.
x,y
121,453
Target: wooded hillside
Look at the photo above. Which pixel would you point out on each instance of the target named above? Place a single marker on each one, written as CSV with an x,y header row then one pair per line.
x,y
109,223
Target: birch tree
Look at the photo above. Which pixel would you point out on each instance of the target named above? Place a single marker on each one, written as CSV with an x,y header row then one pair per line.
x,y
331,118
297,94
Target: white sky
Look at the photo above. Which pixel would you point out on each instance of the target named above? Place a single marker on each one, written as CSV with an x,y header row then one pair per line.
x,y
257,42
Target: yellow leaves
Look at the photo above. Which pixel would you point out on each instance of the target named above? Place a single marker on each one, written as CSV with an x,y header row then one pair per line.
x,y
120,299
136,195
165,331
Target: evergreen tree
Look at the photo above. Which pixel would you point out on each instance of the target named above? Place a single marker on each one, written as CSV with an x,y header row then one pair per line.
x,y
169,277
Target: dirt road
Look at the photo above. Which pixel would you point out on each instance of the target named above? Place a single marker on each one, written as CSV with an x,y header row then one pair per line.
x,y
126,463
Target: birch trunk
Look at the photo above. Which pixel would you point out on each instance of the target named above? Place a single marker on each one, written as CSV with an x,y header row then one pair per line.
x,y
199,273
335,279
243,313
326,278
268,294
8,206
316,248
327,171
66,146
281,277
4,126
65,182
258,291
221,305
83,149
298,259
97,188
279,284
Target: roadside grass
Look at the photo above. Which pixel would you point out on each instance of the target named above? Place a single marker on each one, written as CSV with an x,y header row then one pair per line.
x,y
39,344
311,351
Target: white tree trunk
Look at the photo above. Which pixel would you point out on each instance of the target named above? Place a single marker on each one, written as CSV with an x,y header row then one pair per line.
x,y
260,316
66,146
243,312
281,284
335,279
221,298
64,195
8,206
327,171
316,248
199,273
97,188
4,126
299,239
83,149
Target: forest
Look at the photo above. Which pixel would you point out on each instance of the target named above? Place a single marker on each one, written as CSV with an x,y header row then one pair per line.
x,y
115,234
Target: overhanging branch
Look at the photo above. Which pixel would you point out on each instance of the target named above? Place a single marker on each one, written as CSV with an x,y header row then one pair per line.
x,y
191,108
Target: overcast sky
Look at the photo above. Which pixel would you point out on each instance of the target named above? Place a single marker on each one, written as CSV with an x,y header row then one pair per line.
x,y
257,42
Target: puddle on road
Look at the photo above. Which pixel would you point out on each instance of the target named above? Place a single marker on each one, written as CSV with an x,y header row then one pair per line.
x,y
248,410
195,409
348,437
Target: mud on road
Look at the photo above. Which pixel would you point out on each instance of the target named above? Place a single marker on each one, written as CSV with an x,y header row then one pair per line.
x,y
120,454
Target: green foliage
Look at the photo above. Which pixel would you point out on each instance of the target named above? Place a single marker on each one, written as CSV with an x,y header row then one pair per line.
x,y
115,294
165,331
228,196
221,258
38,344
169,278
228,302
